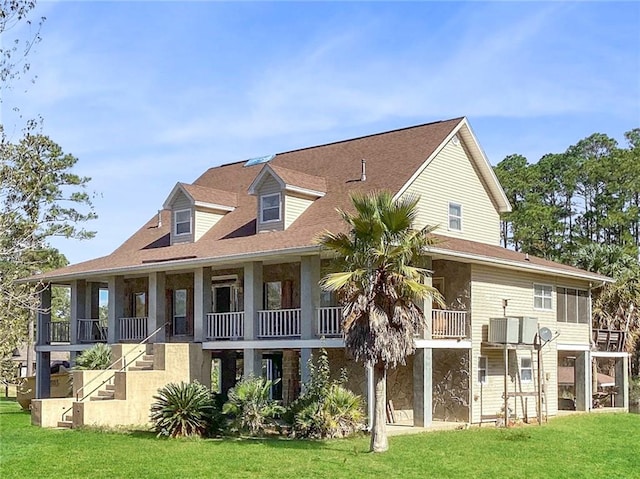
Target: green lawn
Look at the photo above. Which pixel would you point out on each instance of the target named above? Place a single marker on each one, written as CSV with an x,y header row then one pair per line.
x,y
596,445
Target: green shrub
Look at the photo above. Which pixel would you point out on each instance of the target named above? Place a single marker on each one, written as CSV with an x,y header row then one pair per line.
x,y
326,409
97,356
249,406
184,410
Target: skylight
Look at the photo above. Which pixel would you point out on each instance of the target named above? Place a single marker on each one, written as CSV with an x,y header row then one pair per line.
x,y
259,160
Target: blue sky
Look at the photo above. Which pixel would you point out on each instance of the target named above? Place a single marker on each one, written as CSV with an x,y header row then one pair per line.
x,y
146,94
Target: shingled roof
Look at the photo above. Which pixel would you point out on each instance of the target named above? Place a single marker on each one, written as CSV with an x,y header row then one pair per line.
x,y
335,169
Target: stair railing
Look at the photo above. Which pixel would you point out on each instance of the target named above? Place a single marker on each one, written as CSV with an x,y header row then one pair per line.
x,y
80,397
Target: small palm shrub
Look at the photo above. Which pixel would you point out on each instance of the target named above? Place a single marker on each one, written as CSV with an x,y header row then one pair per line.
x,y
326,409
97,356
184,410
249,407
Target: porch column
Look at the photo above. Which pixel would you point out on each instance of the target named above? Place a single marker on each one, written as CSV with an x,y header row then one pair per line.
x,y
78,307
253,294
252,362
116,307
427,305
582,381
92,301
157,305
371,396
309,294
622,382
43,358
305,355
422,387
201,302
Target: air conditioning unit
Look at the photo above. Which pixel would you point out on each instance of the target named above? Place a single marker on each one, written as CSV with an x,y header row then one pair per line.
x,y
504,330
528,330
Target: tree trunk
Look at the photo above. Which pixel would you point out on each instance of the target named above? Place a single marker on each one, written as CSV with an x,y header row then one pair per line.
x,y
379,442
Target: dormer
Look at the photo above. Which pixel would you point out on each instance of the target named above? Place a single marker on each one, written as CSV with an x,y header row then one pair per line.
x,y
283,195
195,209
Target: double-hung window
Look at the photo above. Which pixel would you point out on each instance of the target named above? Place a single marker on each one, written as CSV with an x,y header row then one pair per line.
x,y
526,370
182,222
573,305
270,208
542,297
455,216
482,369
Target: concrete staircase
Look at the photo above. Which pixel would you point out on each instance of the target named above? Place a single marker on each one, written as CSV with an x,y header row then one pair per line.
x,y
123,396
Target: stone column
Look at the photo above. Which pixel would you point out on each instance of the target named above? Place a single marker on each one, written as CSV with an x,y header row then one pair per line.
x,y
43,358
92,298
78,308
422,387
116,307
252,362
582,381
202,302
157,305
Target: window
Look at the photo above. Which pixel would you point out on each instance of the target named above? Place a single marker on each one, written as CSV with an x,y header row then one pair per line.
x,y
542,296
455,216
526,370
573,305
270,208
482,369
139,305
182,221
180,311
273,295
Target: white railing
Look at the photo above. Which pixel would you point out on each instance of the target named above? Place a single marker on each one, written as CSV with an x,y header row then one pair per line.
x,y
132,329
58,332
448,324
279,323
92,331
225,325
329,321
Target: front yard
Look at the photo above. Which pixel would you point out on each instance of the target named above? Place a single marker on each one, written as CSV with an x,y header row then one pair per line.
x,y
579,446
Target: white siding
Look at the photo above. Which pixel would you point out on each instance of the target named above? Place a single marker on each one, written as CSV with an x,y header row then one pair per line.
x,y
450,177
204,221
269,186
294,206
489,286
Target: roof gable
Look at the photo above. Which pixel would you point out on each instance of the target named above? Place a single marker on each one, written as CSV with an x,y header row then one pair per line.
x,y
291,181
204,197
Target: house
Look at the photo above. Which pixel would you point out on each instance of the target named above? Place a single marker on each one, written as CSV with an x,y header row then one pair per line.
x,y
228,271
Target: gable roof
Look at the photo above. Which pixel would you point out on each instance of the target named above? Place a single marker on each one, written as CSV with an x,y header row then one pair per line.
x,y
291,180
203,196
335,169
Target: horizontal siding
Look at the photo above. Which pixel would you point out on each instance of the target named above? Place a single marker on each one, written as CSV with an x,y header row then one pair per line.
x,y
180,202
450,177
489,286
269,186
204,221
294,206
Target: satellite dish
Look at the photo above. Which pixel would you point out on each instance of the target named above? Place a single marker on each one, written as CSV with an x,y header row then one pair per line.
x,y
545,334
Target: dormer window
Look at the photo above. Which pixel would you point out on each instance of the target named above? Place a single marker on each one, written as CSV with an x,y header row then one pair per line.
x,y
270,208
182,222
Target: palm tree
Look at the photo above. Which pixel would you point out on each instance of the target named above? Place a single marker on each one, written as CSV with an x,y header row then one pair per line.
x,y
380,282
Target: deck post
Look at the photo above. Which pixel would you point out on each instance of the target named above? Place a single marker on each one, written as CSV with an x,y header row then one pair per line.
x,y
116,307
78,307
157,305
309,294
622,382
582,380
201,301
422,387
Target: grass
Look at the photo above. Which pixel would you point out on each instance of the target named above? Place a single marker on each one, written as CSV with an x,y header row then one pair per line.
x,y
579,446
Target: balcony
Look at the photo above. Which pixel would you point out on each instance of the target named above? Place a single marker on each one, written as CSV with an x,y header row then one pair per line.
x,y
329,322
448,324
279,323
133,329
58,332
92,331
221,326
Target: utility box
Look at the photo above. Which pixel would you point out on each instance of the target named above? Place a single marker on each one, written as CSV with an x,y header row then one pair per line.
x,y
504,330
528,330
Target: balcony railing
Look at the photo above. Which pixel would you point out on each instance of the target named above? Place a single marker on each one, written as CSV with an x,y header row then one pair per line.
x,y
448,324
133,329
279,323
225,325
329,321
92,331
58,332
